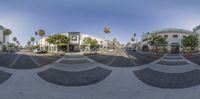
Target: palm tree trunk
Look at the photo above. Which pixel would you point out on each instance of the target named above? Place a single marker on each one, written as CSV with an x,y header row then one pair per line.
x,y
4,38
41,42
156,49
153,48
107,42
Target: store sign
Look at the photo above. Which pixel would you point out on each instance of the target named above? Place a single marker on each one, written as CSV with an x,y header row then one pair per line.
x,y
74,38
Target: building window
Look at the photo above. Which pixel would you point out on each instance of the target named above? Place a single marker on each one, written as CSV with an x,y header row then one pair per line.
x,y
175,36
165,36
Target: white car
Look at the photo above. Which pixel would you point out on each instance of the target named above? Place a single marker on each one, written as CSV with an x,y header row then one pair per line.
x,y
40,51
110,50
36,50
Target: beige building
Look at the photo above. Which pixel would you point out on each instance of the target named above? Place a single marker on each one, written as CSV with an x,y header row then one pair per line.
x,y
173,37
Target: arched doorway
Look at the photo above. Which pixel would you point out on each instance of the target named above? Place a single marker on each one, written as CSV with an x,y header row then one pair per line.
x,y
175,48
145,48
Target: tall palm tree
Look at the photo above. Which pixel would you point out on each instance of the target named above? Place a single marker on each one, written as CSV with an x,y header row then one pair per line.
x,y
114,43
17,41
14,39
29,43
7,32
107,30
41,33
33,40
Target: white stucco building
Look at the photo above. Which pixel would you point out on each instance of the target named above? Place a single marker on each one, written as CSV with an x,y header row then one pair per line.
x,y
85,47
2,38
197,31
76,42
173,37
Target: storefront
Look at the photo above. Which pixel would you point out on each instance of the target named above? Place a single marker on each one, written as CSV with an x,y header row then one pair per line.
x,y
74,45
175,48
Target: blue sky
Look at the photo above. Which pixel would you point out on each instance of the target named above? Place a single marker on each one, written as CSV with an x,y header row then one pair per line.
x,y
125,17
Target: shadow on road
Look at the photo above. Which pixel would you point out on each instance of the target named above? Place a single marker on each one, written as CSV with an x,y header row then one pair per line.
x,y
136,59
25,60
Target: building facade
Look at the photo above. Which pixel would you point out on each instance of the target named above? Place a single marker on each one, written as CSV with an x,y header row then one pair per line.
x,y
2,38
173,37
197,31
85,47
76,43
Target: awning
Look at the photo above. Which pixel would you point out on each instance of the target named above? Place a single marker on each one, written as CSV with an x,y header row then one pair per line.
x,y
175,44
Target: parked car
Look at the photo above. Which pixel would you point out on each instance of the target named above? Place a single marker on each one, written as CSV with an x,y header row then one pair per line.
x,y
40,51
110,50
36,50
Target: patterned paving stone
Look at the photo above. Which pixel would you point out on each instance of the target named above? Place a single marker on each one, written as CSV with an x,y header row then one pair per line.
x,y
75,61
74,56
169,80
173,55
172,58
82,78
135,60
172,63
4,76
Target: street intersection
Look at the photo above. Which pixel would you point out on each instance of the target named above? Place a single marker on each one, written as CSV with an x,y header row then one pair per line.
x,y
75,76
25,59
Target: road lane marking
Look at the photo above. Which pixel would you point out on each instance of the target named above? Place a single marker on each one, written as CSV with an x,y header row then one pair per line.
x,y
37,63
132,58
112,61
13,63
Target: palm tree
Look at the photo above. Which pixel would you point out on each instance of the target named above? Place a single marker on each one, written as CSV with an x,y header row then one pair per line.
x,y
41,33
114,43
14,39
7,32
107,30
33,40
29,43
17,42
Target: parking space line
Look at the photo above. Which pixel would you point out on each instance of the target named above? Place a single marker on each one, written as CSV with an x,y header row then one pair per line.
x,y
37,63
13,63
132,58
113,60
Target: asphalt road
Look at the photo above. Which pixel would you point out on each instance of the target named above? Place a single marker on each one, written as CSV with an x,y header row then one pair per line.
x,y
120,61
142,58
194,58
25,60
